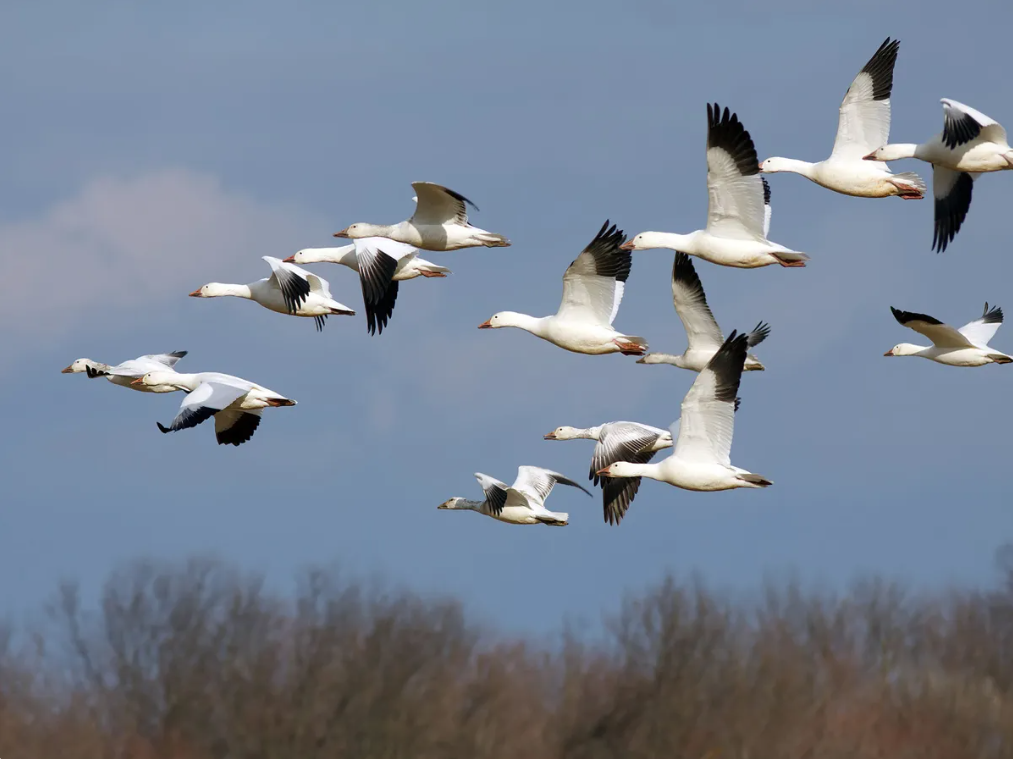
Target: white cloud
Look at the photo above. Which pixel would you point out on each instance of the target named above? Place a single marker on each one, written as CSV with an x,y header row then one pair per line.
x,y
124,243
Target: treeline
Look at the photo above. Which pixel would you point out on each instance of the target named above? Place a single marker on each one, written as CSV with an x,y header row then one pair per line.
x,y
200,661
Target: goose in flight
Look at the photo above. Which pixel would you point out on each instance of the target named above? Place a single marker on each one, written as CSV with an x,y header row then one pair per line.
x,y
703,334
235,403
703,434
738,208
967,346
381,264
440,222
971,143
520,503
124,374
592,291
617,441
289,290
863,125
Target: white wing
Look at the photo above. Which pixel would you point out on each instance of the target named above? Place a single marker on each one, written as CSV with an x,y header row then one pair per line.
x,y
438,205
941,335
963,124
864,123
293,281
952,191
702,330
708,411
495,492
167,359
593,283
735,208
980,331
533,485
203,402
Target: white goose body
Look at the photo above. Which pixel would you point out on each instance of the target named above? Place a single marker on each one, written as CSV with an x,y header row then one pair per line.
x,y
863,125
703,335
440,222
967,346
289,290
381,263
235,403
124,374
520,503
593,288
617,441
703,433
738,212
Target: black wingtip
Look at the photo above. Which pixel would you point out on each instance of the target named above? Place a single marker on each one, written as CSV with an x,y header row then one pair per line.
x,y
726,132
880,69
610,259
178,354
991,316
727,365
162,429
951,211
766,191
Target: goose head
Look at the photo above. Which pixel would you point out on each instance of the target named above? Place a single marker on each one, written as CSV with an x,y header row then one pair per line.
x,y
564,433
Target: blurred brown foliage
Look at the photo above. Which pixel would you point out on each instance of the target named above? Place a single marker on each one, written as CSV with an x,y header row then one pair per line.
x,y
198,661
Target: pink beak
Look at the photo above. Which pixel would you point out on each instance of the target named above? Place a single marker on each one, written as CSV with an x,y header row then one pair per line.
x,y
138,381
485,325
194,294
289,260
870,157
342,233
628,245
603,472
889,352
550,436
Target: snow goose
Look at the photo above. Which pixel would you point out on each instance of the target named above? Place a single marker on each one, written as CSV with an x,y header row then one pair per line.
x,y
703,334
235,403
701,459
737,211
520,503
592,290
124,374
617,441
440,222
970,143
289,290
863,125
967,346
381,264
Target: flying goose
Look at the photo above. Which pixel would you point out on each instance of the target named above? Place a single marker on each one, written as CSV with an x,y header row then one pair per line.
x,y
617,441
381,264
971,143
736,215
703,435
592,290
967,346
235,403
863,125
289,290
124,374
703,334
440,222
520,503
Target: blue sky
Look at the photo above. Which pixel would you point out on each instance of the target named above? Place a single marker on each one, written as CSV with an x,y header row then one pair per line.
x,y
153,148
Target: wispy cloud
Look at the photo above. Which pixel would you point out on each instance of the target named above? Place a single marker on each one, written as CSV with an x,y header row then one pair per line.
x,y
126,243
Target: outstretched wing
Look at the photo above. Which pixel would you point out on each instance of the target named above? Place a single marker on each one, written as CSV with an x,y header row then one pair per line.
x,y
293,282
207,399
536,483
495,492
734,186
708,410
690,301
952,191
941,335
168,359
980,331
623,441
378,260
593,283
963,124
864,122
438,205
